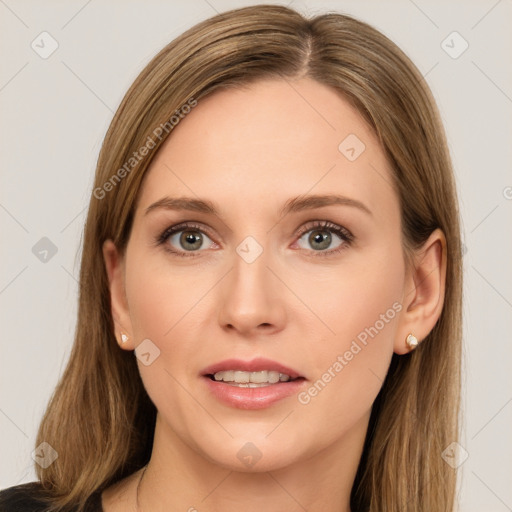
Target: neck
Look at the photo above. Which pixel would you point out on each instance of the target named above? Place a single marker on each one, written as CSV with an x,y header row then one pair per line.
x,y
178,478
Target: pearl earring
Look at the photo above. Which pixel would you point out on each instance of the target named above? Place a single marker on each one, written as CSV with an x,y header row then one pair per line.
x,y
412,341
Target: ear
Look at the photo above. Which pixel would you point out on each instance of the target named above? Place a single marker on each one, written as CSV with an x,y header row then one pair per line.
x,y
424,292
114,263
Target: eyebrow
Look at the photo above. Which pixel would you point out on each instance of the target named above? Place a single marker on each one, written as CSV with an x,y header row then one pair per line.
x,y
295,204
300,203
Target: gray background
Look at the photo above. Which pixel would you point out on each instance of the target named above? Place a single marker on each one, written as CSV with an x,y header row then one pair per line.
x,y
54,114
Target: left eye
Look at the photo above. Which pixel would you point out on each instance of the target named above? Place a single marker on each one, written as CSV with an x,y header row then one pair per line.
x,y
320,239
188,239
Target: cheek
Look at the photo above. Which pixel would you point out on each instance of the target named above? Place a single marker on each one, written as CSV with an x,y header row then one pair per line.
x,y
162,304
168,306
359,296
158,297
151,303
361,311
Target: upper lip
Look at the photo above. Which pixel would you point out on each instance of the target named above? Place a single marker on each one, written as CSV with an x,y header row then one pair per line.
x,y
255,365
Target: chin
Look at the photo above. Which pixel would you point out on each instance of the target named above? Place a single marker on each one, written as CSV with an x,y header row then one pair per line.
x,y
252,454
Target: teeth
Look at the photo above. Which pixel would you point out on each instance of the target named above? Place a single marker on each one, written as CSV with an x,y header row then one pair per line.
x,y
242,377
258,377
251,379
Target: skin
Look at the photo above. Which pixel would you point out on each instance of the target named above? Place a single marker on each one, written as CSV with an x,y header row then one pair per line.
x,y
249,151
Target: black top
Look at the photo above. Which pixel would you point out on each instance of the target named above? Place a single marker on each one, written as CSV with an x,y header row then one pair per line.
x,y
26,498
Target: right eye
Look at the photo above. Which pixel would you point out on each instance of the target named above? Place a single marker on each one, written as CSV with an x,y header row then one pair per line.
x,y
184,239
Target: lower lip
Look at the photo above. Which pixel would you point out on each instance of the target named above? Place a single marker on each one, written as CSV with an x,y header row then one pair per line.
x,y
252,398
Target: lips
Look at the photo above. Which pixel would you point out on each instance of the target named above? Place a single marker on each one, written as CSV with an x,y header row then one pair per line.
x,y
220,380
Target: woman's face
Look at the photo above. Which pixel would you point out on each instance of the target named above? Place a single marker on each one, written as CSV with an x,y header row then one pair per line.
x,y
286,258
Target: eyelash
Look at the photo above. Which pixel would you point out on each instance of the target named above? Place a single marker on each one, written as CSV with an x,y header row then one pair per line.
x,y
345,235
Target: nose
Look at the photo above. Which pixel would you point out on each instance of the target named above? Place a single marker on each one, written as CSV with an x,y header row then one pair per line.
x,y
252,299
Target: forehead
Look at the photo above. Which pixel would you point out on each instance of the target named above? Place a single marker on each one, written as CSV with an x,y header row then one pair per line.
x,y
267,142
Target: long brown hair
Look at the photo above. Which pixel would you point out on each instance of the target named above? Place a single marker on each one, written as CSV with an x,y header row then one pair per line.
x,y
100,419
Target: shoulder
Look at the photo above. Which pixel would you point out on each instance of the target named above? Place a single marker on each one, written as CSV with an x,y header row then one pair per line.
x,y
21,498
29,497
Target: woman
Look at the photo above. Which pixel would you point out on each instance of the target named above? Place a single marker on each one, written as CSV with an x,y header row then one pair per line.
x,y
274,235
